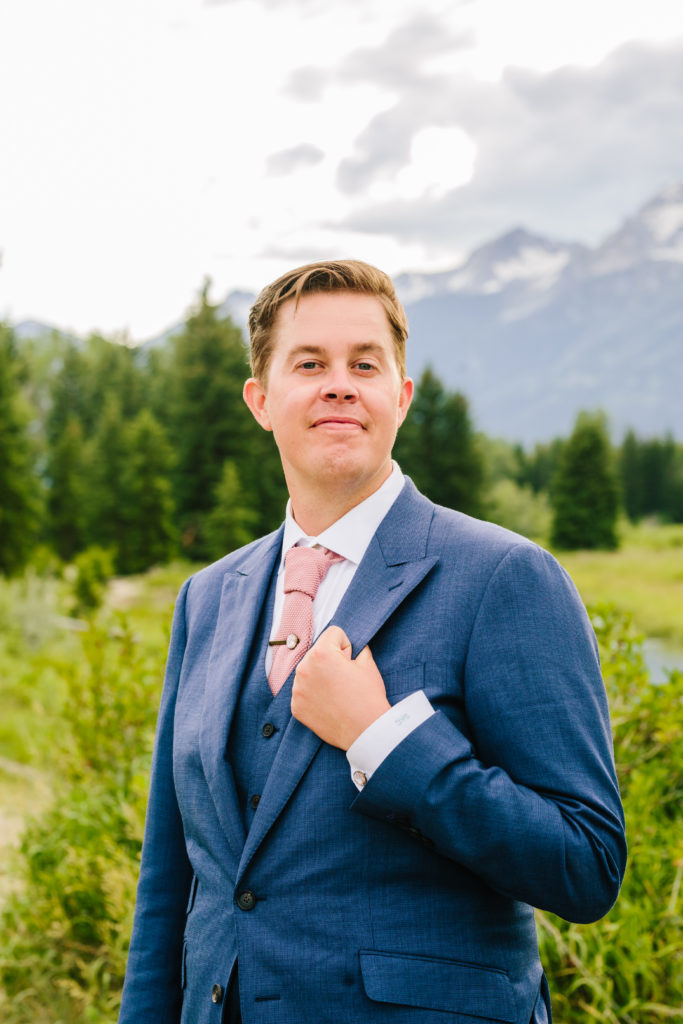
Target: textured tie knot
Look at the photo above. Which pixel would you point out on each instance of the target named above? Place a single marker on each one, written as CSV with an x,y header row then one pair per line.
x,y
306,568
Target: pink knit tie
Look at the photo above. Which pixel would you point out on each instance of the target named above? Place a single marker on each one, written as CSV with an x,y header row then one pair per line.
x,y
305,569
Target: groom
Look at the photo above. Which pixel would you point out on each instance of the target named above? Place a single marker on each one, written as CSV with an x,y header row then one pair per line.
x,y
383,737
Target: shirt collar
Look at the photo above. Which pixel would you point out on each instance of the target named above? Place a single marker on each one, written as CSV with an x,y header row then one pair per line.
x,y
350,535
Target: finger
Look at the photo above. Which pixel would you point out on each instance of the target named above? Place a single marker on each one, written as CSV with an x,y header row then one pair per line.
x,y
335,637
365,657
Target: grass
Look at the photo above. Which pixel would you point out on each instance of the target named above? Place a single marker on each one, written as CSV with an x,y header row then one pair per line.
x,y
643,578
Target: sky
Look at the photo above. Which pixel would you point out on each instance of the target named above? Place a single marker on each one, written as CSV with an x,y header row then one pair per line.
x,y
148,144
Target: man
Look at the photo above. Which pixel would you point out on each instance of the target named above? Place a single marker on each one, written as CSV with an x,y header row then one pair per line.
x,y
358,830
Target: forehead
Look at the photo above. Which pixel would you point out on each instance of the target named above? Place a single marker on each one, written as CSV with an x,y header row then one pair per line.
x,y
332,318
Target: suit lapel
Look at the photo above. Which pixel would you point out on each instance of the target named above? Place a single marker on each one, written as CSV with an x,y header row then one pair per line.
x,y
394,564
242,596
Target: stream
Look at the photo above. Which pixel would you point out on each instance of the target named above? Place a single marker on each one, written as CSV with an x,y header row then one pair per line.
x,y
660,656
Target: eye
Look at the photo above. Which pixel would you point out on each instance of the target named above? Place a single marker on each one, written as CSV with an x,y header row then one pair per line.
x,y
309,364
365,367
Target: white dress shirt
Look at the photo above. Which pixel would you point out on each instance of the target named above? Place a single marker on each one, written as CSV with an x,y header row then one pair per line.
x,y
350,537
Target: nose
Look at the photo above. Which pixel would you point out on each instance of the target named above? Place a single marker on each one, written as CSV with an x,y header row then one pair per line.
x,y
339,386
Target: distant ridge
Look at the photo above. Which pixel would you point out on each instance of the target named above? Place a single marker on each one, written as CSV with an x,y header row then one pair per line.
x,y
533,329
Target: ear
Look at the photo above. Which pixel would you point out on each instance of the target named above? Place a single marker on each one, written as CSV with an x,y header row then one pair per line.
x,y
254,395
405,398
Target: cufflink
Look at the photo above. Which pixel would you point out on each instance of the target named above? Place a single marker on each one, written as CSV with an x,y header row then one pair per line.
x,y
360,778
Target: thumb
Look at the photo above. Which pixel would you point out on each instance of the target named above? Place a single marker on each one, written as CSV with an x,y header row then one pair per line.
x,y
335,637
365,657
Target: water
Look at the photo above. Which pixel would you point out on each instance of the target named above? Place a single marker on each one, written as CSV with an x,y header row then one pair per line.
x,y
659,656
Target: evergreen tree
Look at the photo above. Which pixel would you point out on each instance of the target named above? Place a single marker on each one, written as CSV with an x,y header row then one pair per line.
x,y
631,476
106,457
20,497
111,368
585,493
66,494
231,522
69,394
147,534
650,473
656,468
437,447
537,469
674,497
206,418
262,479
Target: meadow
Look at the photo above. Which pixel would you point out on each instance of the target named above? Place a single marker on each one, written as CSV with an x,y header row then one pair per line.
x,y
643,578
78,697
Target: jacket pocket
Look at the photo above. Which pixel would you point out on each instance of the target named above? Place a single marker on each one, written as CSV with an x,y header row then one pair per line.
x,y
399,682
192,894
183,966
435,984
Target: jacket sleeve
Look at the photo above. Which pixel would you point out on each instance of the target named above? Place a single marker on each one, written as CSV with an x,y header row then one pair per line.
x,y
528,799
152,990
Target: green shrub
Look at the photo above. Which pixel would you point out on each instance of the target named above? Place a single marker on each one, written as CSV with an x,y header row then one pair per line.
x,y
65,931
627,968
92,568
519,509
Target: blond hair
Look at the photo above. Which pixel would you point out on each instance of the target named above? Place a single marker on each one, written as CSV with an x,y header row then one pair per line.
x,y
326,276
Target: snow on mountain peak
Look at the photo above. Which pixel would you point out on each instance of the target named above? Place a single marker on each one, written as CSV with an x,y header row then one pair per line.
x,y
663,217
517,258
654,233
525,268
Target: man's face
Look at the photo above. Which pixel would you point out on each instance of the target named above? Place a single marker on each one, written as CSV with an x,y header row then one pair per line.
x,y
334,398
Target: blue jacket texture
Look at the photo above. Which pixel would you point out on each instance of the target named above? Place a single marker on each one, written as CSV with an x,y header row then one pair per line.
x,y
410,902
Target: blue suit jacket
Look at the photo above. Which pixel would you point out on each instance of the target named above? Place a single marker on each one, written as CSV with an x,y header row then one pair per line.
x,y
410,901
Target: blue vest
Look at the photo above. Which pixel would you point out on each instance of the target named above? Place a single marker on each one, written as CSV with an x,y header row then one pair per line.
x,y
260,719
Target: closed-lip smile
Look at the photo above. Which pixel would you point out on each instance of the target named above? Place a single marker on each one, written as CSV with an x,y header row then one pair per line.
x,y
339,421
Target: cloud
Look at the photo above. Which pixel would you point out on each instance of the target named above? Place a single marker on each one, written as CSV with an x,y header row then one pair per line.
x,y
307,84
289,160
399,61
293,255
304,5
396,64
600,135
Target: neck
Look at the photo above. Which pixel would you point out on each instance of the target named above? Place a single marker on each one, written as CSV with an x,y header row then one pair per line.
x,y
315,510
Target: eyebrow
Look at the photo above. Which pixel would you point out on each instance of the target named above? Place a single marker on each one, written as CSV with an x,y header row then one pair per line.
x,y
359,349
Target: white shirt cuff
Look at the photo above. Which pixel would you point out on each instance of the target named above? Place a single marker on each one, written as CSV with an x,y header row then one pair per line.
x,y
366,754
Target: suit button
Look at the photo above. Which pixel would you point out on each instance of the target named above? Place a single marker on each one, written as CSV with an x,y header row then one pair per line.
x,y
246,900
268,730
217,994
254,801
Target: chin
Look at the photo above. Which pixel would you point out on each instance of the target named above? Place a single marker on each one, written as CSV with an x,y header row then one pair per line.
x,y
347,467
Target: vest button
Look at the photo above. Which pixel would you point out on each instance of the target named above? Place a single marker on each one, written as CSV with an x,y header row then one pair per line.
x,y
268,730
246,900
217,994
254,801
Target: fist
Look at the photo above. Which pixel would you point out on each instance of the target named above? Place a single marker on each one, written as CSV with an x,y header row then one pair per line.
x,y
335,695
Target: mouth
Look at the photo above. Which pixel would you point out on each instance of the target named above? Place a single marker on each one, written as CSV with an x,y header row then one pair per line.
x,y
338,423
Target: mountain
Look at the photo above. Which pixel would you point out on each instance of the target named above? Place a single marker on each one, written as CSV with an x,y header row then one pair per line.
x,y
35,329
533,329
